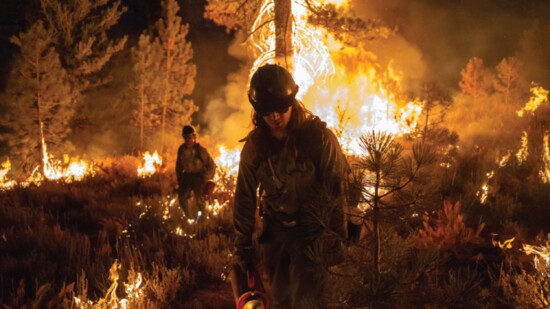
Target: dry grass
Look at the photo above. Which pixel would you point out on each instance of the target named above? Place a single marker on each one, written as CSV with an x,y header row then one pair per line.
x,y
115,239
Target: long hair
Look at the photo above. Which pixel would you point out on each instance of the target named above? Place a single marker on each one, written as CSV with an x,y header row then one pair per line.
x,y
260,136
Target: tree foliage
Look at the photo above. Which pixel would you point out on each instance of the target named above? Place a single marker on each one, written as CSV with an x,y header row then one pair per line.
x,y
346,28
169,106
387,178
39,106
79,29
233,14
145,89
241,14
475,80
435,104
509,80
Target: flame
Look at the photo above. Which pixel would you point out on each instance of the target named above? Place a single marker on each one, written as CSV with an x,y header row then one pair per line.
x,y
344,77
524,150
506,244
215,207
544,173
228,159
135,291
69,170
484,192
541,253
5,182
151,162
539,96
504,160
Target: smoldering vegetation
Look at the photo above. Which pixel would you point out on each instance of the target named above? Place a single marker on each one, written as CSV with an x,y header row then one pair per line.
x,y
82,245
450,237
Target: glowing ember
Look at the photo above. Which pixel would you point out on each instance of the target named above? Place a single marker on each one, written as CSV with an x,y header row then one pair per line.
x,y
151,162
215,207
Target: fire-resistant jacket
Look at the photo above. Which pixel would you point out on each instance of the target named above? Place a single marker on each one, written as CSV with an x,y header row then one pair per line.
x,y
194,160
288,182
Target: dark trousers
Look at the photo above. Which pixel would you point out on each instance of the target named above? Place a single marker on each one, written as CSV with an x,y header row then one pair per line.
x,y
297,277
191,183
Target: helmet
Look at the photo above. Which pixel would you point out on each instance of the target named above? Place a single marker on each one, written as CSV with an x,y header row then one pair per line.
x,y
187,130
272,89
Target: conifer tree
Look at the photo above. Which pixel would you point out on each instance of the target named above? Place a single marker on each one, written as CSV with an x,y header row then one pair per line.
x,y
39,106
241,15
509,79
435,103
79,29
387,179
146,84
475,80
177,72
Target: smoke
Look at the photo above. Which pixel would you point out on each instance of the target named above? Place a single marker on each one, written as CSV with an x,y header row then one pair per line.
x,y
433,43
448,33
227,110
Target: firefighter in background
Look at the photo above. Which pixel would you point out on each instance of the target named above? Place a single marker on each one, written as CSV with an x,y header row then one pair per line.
x,y
194,170
302,173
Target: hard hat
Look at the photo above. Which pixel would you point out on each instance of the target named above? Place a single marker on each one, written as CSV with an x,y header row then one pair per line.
x,y
187,130
272,89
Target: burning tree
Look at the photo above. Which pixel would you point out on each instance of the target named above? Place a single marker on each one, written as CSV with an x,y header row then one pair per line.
x,y
165,75
39,105
280,19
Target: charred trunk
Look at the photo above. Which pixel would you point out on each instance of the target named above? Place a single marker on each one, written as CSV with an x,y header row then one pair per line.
x,y
283,33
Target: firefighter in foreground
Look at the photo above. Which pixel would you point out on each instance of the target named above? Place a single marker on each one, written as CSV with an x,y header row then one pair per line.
x,y
297,165
194,170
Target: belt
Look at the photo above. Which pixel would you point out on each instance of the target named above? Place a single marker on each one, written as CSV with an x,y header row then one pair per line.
x,y
285,220
292,223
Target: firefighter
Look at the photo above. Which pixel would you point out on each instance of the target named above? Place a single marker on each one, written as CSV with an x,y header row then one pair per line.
x,y
194,170
297,165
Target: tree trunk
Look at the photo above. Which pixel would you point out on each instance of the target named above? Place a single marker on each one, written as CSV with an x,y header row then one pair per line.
x,y
166,97
376,223
283,33
141,120
39,116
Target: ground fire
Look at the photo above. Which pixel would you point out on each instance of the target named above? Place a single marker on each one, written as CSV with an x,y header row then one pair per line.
x,y
450,175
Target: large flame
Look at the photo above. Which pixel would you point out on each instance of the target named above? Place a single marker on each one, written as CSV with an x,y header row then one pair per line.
x,y
228,160
150,164
539,96
349,92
